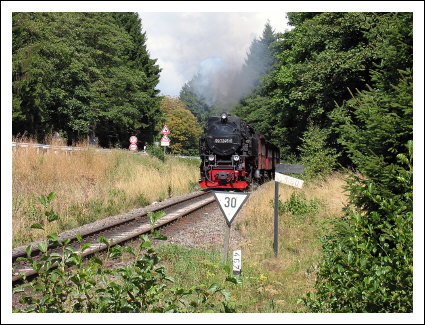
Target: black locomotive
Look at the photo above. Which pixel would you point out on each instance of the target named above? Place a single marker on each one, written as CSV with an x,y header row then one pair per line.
x,y
234,155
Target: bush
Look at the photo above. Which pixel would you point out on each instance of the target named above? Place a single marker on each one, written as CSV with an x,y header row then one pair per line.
x,y
142,286
318,159
156,151
298,205
367,263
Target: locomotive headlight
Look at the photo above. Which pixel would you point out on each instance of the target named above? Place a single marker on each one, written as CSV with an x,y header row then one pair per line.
x,y
223,117
236,158
211,157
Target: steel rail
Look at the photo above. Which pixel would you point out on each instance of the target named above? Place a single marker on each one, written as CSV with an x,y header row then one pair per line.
x,y
126,235
105,224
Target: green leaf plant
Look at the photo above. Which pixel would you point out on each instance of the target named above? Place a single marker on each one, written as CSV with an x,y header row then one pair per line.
x,y
66,283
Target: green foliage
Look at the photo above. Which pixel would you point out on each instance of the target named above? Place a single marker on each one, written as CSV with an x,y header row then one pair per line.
x,y
298,205
350,74
141,286
367,263
194,101
186,129
257,111
156,151
51,215
83,74
317,64
318,158
374,127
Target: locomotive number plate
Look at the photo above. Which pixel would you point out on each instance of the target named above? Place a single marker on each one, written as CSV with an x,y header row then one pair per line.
x,y
223,140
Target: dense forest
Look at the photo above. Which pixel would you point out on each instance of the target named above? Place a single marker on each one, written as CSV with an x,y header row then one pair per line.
x,y
341,94
335,91
83,74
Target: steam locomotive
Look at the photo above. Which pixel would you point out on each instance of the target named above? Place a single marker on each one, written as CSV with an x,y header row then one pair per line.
x,y
234,155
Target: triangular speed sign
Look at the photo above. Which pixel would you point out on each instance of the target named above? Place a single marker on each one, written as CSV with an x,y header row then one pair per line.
x,y
230,204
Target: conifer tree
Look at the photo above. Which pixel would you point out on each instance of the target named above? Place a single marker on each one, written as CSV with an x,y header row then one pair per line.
x,y
83,74
258,62
195,102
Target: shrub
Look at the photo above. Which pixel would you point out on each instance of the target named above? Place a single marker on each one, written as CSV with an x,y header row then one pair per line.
x,y
298,205
141,286
367,263
156,151
319,160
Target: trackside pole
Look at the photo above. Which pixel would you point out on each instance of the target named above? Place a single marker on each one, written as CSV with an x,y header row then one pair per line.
x,y
284,179
276,218
226,242
230,203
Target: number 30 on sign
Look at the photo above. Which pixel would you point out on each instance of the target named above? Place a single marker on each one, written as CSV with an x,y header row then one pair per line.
x,y
230,204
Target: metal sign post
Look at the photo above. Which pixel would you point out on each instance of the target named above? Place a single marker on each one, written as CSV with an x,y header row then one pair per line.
x,y
276,217
280,178
230,204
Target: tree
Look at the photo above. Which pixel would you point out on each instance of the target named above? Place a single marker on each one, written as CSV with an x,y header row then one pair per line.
x,y
194,101
367,265
350,75
83,74
320,61
258,62
185,129
319,160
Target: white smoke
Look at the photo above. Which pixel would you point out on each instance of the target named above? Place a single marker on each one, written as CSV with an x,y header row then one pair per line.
x,y
222,84
181,41
213,79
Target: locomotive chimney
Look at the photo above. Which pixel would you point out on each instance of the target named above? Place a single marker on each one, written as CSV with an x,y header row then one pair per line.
x,y
223,118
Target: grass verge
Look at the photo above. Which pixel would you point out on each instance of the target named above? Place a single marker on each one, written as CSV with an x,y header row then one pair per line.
x,y
269,284
90,185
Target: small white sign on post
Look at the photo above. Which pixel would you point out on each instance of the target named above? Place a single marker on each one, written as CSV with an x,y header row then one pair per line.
x,y
288,180
237,262
230,204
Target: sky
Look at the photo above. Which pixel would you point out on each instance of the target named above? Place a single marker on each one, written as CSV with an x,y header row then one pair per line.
x,y
184,41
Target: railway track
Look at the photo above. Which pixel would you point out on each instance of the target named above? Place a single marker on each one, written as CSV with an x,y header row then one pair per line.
x,y
115,229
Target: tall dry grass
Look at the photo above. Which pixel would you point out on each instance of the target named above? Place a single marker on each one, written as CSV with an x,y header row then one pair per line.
x,y
293,271
89,185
